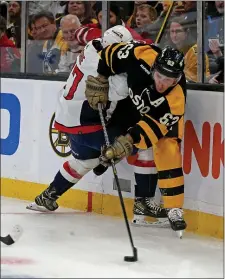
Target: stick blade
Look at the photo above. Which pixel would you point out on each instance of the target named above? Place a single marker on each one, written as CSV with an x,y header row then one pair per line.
x,y
130,259
7,240
13,236
133,258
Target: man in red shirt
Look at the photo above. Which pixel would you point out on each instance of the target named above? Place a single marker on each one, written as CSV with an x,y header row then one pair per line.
x,y
10,55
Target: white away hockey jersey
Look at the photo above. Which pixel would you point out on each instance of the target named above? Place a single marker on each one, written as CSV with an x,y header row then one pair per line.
x,y
73,113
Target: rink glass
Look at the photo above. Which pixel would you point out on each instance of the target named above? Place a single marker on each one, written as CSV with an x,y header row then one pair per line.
x,y
185,25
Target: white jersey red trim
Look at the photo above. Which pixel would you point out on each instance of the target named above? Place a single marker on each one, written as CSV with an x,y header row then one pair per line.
x,y
86,34
73,113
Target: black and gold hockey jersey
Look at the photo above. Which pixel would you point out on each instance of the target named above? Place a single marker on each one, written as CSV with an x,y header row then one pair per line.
x,y
158,114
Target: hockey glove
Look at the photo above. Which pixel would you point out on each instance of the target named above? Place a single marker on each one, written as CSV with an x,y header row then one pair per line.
x,y
122,147
97,90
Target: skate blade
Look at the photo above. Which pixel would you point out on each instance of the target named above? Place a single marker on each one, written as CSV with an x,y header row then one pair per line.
x,y
179,234
141,220
33,206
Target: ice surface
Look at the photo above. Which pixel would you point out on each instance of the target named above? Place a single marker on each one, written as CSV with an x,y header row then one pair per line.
x,y
70,244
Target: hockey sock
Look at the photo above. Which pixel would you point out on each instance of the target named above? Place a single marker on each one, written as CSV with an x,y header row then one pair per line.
x,y
145,185
60,184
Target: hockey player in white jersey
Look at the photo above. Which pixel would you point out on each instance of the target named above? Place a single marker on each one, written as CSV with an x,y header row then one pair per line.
x,y
75,117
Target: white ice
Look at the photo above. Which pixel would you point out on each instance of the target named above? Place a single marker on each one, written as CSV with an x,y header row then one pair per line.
x,y
70,244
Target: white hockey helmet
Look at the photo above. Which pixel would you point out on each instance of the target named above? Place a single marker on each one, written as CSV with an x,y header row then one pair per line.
x,y
116,34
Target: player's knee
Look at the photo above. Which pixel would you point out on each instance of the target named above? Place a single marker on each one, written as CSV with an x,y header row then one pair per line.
x,y
75,169
83,166
145,163
145,155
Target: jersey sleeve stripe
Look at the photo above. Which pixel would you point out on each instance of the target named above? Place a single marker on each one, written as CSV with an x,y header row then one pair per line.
x,y
77,33
85,37
173,173
80,32
147,130
153,134
112,53
172,182
107,56
139,136
142,144
146,53
159,128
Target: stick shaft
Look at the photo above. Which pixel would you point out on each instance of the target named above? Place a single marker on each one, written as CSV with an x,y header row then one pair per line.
x,y
116,176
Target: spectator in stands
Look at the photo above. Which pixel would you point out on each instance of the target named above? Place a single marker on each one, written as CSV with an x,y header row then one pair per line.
x,y
82,9
14,28
166,5
114,15
186,8
155,4
9,54
44,54
157,26
69,24
215,30
190,6
189,10
45,26
33,35
115,19
181,38
215,42
145,15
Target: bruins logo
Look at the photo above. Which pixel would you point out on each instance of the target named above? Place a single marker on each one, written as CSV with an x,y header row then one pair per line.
x,y
59,141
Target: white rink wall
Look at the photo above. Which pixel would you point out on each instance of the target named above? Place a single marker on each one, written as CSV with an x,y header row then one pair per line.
x,y
27,153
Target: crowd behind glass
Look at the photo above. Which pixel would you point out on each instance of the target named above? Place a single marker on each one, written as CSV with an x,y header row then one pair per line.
x,y
57,31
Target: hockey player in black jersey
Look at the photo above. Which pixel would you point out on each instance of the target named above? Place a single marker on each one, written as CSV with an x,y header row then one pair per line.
x,y
157,91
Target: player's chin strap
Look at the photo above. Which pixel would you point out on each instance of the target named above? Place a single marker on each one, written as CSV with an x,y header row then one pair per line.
x,y
133,258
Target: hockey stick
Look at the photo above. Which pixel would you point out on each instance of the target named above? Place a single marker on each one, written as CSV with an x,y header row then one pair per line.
x,y
13,237
133,258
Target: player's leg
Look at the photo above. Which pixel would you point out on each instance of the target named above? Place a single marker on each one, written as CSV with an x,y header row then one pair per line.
x,y
86,149
69,174
146,178
168,160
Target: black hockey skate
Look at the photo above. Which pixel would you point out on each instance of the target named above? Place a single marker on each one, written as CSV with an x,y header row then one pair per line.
x,y
177,223
148,207
46,201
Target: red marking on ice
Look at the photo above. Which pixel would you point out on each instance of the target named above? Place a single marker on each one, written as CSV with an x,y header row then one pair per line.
x,y
89,205
13,261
